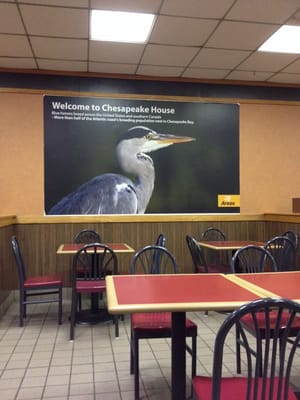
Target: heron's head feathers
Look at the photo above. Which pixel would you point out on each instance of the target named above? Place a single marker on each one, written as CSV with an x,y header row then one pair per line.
x,y
145,140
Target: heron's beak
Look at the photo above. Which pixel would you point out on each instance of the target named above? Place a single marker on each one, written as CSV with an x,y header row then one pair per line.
x,y
171,139
157,141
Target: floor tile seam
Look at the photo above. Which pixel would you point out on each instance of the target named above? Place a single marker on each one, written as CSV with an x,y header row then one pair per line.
x,y
111,337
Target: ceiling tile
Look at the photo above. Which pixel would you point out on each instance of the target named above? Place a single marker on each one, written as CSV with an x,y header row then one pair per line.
x,y
168,55
205,73
110,68
51,21
240,35
197,8
60,3
182,31
14,46
218,58
248,75
271,11
10,21
65,49
153,70
115,52
127,5
261,61
293,67
285,78
59,65
24,63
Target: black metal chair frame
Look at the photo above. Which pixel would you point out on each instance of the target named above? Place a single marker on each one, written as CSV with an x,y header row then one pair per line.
x,y
87,236
272,351
44,289
284,252
155,259
94,261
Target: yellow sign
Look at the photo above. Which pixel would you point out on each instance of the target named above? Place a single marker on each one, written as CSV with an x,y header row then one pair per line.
x,y
228,200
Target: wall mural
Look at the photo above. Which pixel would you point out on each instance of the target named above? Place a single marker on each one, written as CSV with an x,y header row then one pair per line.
x,y
131,156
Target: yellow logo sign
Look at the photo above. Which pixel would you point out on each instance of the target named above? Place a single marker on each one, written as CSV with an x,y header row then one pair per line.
x,y
228,200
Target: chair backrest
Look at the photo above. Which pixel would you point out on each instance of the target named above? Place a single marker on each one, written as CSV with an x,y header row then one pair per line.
x,y
283,251
272,350
293,236
213,234
153,260
197,254
94,261
161,240
87,236
19,259
251,259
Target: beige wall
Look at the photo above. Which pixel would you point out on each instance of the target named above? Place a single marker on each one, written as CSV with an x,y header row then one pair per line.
x,y
269,156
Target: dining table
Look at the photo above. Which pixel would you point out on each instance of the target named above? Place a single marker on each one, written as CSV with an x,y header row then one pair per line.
x,y
181,293
94,314
221,245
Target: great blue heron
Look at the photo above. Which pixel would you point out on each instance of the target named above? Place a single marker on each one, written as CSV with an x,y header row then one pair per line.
x,y
117,194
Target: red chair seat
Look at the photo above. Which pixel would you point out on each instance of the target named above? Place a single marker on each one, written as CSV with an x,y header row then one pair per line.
x,y
40,281
91,286
215,268
157,320
248,322
233,388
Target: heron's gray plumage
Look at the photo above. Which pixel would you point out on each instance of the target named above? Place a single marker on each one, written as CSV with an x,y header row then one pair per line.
x,y
117,194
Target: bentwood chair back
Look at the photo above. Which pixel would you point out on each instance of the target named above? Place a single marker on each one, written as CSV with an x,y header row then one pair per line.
x,y
294,237
214,234
156,324
272,352
87,236
252,259
284,252
91,264
44,289
199,259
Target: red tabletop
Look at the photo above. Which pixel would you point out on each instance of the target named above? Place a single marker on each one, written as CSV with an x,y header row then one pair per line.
x,y
229,244
281,284
179,292
72,248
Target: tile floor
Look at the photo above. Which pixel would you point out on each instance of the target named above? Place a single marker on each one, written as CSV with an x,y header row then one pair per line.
x,y
39,362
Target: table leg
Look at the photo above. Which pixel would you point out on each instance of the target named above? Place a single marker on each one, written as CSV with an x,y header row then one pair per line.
x,y
178,356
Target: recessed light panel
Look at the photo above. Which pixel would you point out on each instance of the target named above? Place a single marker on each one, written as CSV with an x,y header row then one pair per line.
x,y
285,40
115,26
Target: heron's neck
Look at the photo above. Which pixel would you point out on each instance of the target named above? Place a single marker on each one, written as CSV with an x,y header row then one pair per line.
x,y
141,167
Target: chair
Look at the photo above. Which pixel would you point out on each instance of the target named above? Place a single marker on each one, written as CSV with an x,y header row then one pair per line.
x,y
283,251
272,352
87,236
40,286
294,237
90,266
156,324
214,234
161,240
251,259
199,261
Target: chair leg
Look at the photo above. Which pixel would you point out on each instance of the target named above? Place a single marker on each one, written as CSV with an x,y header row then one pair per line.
x,y
60,306
21,308
73,315
136,369
238,349
116,323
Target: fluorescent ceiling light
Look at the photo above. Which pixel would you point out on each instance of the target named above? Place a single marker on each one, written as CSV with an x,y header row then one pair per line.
x,y
285,40
115,26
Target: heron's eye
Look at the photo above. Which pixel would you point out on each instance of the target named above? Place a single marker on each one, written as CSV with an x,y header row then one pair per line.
x,y
150,136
